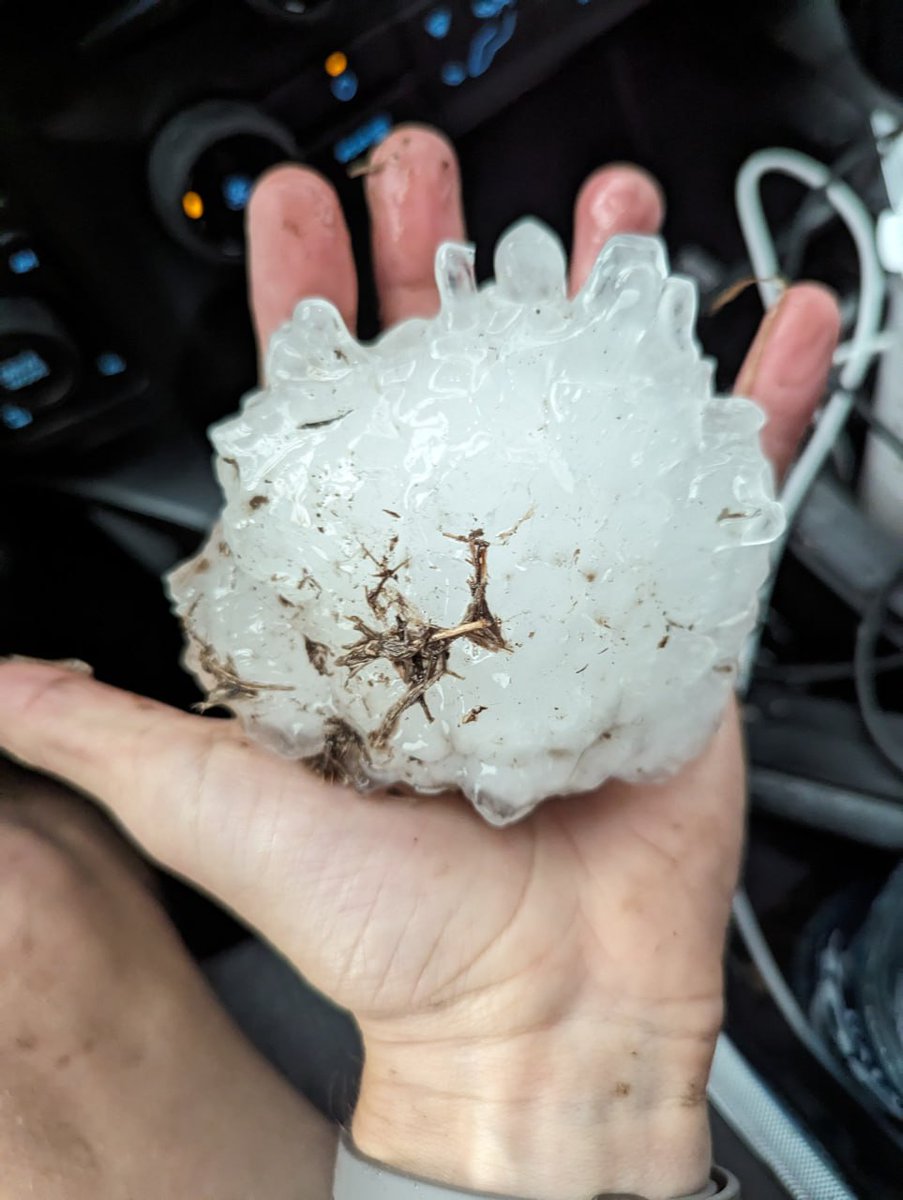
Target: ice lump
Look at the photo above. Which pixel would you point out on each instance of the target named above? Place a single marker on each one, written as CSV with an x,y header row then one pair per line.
x,y
513,550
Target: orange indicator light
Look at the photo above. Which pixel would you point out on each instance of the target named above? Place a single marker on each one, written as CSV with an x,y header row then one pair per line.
x,y
336,64
192,206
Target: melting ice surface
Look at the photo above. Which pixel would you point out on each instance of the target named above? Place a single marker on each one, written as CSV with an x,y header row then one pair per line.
x,y
513,550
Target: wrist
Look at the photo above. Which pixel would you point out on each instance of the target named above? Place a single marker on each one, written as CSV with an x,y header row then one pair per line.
x,y
534,1118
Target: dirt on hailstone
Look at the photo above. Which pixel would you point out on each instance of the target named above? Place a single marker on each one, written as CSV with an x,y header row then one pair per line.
x,y
395,633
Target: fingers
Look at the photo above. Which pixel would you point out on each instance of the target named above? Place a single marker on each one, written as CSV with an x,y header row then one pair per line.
x,y
787,367
299,246
615,199
414,193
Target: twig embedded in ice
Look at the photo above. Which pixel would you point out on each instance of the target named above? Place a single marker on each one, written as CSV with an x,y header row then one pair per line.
x,y
417,648
531,512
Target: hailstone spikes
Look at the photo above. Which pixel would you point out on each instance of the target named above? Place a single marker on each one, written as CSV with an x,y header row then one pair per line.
x,y
514,549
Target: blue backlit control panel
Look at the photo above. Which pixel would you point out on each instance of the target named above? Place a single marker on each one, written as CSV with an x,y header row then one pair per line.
x,y
39,362
437,56
63,371
468,38
450,57
437,49
52,379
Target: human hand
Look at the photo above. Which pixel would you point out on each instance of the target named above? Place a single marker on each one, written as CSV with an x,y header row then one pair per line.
x,y
539,1005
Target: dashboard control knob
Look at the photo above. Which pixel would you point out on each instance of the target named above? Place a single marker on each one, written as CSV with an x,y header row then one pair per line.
x,y
202,168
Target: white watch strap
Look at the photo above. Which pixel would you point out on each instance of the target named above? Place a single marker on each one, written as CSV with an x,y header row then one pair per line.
x,y
359,1178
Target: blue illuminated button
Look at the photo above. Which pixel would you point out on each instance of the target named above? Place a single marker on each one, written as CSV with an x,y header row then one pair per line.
x,y
453,73
39,362
438,22
371,133
487,43
110,364
22,370
22,262
344,87
14,417
237,191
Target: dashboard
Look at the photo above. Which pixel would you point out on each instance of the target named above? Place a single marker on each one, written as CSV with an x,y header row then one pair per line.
x,y
133,135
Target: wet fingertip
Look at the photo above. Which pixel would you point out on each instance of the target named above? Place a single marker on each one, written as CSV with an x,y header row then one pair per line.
x,y
819,302
622,193
287,187
412,139
798,335
269,191
788,365
413,192
288,174
298,245
411,157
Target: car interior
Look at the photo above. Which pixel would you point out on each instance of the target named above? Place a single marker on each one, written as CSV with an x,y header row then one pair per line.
x,y
131,135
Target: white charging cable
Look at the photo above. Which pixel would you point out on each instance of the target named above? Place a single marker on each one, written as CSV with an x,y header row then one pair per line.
x,y
854,359
857,353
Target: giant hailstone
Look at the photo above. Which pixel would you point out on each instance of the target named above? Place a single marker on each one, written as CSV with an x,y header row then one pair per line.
x,y
513,550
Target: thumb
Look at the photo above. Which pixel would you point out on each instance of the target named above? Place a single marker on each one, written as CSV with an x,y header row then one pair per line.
x,y
193,791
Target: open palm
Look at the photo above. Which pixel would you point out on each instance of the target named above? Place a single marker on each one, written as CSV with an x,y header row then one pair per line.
x,y
596,923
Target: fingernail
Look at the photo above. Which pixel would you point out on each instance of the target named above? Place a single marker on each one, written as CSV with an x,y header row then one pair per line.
x,y
414,158
65,664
